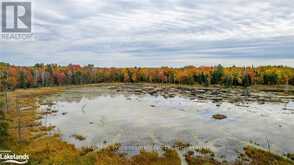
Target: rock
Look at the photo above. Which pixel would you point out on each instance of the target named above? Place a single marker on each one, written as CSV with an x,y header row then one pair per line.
x,y
200,91
219,116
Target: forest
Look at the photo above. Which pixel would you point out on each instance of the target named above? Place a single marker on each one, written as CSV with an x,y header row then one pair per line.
x,y
44,75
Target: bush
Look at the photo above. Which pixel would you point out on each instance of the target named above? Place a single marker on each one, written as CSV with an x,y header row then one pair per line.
x,y
270,79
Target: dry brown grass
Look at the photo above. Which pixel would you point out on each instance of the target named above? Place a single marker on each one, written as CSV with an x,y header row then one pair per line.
x,y
51,150
262,157
111,156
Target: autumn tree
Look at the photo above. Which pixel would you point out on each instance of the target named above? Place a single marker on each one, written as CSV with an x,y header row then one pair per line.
x,y
52,74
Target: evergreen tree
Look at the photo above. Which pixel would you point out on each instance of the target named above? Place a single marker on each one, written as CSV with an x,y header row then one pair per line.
x,y
217,75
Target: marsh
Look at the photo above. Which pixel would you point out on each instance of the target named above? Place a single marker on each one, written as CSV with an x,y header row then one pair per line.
x,y
139,115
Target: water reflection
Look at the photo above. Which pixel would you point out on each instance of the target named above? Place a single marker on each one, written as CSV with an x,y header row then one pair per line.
x,y
105,116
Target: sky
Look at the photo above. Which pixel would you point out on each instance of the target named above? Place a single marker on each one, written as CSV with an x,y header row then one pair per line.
x,y
153,33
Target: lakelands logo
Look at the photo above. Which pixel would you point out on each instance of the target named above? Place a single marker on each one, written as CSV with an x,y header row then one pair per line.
x,y
11,158
16,20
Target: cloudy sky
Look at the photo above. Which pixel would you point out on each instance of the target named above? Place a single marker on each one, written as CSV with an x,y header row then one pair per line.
x,y
157,33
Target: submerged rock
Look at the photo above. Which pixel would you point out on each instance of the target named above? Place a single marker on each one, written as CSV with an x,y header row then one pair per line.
x,y
289,106
64,113
219,116
218,104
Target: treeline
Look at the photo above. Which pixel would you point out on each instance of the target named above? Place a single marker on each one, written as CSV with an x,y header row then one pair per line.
x,y
41,75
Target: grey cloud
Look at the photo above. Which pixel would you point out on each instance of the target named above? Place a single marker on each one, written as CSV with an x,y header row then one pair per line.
x,y
151,32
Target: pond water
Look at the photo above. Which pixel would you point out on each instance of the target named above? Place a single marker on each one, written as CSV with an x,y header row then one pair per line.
x,y
105,116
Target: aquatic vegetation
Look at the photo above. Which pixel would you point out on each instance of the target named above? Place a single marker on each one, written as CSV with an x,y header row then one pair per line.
x,y
198,160
251,156
205,151
180,145
45,128
111,155
201,160
78,137
205,156
152,158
